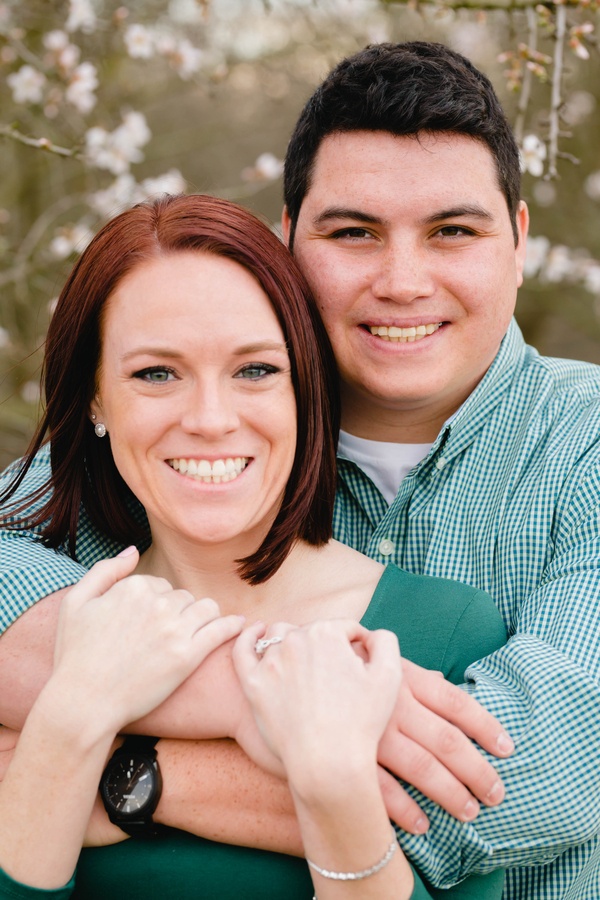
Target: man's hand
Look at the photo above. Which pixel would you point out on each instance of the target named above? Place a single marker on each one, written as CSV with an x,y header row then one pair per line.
x,y
427,744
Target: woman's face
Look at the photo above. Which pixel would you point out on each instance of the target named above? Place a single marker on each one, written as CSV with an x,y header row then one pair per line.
x,y
195,390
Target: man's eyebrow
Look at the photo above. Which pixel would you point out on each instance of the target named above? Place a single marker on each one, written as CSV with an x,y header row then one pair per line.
x,y
457,212
346,212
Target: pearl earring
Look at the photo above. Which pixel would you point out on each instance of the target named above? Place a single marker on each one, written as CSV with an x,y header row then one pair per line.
x,y
100,429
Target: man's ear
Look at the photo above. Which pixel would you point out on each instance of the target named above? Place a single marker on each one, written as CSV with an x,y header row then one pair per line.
x,y
286,226
521,248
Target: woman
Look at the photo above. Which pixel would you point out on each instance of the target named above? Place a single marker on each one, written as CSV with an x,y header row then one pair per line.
x,y
187,371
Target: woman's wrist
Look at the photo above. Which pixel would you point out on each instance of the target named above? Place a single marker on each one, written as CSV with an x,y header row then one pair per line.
x,y
82,726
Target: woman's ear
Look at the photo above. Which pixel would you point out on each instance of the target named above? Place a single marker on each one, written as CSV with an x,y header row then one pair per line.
x,y
95,412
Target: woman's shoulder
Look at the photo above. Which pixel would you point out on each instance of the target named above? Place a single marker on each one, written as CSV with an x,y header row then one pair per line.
x,y
441,624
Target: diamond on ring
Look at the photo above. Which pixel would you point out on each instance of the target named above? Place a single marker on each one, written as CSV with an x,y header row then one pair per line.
x,y
262,644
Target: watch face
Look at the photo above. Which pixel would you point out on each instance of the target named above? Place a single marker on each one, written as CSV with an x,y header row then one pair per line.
x,y
129,785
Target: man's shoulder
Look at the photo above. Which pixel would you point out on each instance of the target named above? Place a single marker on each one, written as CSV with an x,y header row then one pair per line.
x,y
556,392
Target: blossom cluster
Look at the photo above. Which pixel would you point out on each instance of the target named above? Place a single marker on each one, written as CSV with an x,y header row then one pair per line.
x,y
556,264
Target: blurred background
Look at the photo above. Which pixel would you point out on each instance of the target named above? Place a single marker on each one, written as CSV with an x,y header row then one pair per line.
x,y
103,103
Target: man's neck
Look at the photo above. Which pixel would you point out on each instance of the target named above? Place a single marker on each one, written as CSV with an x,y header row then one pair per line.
x,y
418,424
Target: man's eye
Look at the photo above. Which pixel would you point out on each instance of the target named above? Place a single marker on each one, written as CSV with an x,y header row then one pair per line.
x,y
454,231
354,232
255,371
155,374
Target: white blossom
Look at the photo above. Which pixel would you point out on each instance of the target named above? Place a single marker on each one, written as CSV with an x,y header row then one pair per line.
x,y
82,16
266,168
55,40
533,154
165,44
27,85
70,239
171,182
139,42
115,151
185,12
592,278
186,59
118,196
537,251
592,185
30,392
558,264
80,92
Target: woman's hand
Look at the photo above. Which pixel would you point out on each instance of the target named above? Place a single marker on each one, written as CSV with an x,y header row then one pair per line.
x,y
316,701
125,643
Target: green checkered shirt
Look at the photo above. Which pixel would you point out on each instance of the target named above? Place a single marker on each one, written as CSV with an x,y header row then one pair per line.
x,y
507,500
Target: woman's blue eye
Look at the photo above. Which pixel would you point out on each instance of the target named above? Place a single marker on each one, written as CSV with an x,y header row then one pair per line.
x,y
155,374
254,371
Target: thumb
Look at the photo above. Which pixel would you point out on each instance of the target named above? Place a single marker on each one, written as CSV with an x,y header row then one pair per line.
x,y
103,575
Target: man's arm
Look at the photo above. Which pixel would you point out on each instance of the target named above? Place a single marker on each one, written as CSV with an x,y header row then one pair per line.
x,y
205,707
545,687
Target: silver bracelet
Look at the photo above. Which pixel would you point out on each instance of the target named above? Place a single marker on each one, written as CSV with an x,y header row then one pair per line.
x,y
357,876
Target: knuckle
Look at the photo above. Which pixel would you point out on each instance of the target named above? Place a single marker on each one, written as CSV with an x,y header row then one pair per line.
x,y
421,765
455,700
450,741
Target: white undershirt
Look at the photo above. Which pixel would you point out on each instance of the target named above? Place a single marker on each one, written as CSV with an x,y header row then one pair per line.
x,y
386,464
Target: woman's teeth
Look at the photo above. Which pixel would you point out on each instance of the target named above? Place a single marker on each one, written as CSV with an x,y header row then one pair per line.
x,y
215,472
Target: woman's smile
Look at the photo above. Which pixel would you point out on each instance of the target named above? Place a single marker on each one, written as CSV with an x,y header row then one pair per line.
x,y
200,383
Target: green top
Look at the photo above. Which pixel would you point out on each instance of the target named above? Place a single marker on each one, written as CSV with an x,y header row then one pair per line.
x,y
442,625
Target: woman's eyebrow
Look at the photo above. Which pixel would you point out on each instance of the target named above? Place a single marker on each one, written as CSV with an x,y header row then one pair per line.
x,y
258,346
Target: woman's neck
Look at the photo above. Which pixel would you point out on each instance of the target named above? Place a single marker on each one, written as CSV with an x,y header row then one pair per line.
x,y
213,572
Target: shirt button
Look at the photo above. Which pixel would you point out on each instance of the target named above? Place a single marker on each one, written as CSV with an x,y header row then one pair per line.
x,y
441,462
386,547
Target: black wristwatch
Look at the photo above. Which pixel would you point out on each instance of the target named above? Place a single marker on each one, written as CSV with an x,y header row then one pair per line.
x,y
131,786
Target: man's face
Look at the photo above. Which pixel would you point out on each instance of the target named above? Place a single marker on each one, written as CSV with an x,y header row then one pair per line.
x,y
408,247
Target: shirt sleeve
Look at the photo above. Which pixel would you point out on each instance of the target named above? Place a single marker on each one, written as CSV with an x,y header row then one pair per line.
x,y
28,569
544,686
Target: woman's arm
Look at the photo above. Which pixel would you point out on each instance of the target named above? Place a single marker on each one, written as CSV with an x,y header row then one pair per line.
x,y
323,709
120,650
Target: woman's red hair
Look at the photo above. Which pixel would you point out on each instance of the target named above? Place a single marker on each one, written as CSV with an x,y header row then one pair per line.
x,y
83,470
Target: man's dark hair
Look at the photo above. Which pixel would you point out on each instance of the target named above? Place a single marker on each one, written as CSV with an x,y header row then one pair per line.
x,y
404,89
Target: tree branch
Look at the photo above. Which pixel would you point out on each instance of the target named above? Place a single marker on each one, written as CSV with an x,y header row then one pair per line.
x,y
39,143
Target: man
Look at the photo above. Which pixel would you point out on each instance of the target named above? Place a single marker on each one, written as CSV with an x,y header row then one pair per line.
x,y
463,453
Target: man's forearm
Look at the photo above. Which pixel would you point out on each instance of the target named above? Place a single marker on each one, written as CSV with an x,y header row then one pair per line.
x,y
212,789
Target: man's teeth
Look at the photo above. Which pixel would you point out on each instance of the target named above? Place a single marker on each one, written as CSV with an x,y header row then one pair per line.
x,y
404,335
215,472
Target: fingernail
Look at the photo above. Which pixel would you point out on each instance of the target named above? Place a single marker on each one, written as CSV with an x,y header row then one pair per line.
x,y
242,618
421,825
470,811
504,743
128,551
495,794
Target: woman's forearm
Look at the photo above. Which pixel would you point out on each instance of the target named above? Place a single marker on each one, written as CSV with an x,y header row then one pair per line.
x,y
47,795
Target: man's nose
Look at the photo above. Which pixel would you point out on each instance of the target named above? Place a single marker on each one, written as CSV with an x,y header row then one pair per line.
x,y
404,273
